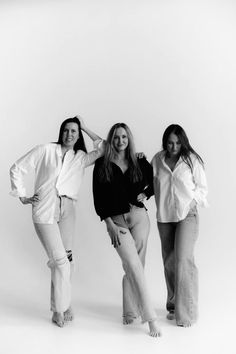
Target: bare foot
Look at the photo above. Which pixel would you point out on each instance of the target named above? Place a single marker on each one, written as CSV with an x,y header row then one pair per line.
x,y
128,318
154,329
171,315
58,319
68,315
184,324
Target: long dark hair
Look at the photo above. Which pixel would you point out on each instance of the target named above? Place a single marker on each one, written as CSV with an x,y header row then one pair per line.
x,y
135,173
186,148
80,144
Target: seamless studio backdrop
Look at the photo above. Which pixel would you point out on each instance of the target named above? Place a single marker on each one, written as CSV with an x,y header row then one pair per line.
x,y
148,64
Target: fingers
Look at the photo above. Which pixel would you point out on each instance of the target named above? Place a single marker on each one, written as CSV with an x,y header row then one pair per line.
x,y
35,198
141,197
81,121
116,242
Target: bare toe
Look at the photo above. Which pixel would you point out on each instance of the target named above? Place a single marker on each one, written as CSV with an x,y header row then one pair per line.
x,y
58,319
68,315
128,318
184,324
154,329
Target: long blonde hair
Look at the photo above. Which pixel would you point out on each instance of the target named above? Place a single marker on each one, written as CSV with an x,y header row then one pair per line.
x,y
135,173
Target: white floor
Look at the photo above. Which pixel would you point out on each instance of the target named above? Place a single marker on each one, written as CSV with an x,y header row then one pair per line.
x,y
26,328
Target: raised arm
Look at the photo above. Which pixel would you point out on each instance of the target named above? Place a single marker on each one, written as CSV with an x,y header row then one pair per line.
x,y
89,132
98,145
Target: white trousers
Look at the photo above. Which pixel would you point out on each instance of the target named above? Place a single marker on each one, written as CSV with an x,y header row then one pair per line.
x,y
57,240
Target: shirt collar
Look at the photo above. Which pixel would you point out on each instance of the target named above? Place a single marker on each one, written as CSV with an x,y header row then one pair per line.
x,y
162,157
59,151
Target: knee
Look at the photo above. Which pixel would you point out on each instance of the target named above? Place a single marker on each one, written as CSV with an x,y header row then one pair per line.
x,y
69,255
132,266
185,263
58,259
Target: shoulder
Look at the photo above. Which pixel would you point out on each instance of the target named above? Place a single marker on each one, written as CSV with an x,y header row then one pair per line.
x,y
195,161
158,157
144,165
142,161
40,148
99,163
49,146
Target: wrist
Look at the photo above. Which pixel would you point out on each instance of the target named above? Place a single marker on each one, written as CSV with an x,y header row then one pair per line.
x,y
108,222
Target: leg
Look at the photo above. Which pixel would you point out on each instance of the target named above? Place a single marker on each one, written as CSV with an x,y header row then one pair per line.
x,y
66,225
167,236
139,224
186,271
50,238
135,274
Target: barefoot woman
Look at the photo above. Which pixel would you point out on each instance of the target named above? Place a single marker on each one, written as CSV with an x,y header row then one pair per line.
x,y
120,184
59,169
180,187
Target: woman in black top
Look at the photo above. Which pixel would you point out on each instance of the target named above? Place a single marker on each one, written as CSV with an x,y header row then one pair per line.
x,y
121,182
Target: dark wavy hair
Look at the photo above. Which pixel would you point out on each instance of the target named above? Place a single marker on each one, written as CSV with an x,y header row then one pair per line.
x,y
186,148
80,144
135,173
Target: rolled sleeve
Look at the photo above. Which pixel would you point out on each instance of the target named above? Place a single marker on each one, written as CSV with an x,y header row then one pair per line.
x,y
20,168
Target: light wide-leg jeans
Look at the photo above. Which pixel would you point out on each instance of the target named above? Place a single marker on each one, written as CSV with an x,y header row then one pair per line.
x,y
132,251
57,240
181,274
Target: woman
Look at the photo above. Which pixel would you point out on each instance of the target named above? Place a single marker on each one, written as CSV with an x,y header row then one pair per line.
x,y
179,187
121,182
59,168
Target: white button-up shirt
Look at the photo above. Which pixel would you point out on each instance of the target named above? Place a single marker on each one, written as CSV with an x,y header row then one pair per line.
x,y
53,176
175,190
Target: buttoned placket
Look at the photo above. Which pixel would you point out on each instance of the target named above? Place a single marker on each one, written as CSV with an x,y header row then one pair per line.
x,y
62,167
172,180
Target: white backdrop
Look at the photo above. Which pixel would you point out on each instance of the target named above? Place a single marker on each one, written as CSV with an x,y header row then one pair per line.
x,y
145,63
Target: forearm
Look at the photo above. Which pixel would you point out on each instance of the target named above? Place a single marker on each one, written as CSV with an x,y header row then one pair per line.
x,y
91,134
109,222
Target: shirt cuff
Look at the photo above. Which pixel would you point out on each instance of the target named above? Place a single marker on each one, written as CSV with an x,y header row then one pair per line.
x,y
17,193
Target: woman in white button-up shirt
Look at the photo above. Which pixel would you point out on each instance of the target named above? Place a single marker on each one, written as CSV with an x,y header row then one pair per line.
x,y
179,186
59,168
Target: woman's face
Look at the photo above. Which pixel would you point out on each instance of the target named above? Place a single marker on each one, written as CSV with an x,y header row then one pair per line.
x,y
70,135
120,140
173,145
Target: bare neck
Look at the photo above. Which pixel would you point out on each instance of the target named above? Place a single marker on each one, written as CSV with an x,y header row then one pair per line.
x,y
120,156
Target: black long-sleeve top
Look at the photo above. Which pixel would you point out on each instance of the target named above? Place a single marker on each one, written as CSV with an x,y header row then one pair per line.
x,y
114,197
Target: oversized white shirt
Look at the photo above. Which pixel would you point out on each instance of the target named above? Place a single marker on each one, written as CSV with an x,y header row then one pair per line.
x,y
53,177
175,190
